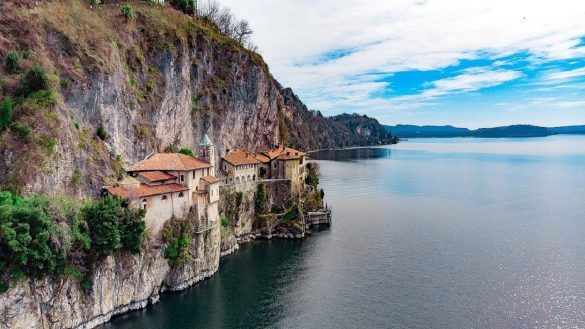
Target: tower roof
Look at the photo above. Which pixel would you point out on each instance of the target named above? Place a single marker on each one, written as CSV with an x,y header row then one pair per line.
x,y
205,141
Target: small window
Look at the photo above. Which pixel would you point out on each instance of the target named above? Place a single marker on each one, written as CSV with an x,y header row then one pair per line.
x,y
164,197
181,194
182,178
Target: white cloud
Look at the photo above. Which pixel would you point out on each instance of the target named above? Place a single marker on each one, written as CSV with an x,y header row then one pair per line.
x,y
401,35
560,76
471,80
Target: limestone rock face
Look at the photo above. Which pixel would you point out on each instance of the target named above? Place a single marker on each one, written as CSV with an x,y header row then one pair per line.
x,y
119,284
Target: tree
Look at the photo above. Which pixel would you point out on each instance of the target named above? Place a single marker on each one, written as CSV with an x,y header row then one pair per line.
x,y
132,228
188,152
243,32
103,219
114,226
26,233
189,7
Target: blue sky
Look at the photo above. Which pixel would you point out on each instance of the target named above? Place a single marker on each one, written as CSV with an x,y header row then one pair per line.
x,y
465,63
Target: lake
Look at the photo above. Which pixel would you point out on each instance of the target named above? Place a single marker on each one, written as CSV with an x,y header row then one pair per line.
x,y
429,233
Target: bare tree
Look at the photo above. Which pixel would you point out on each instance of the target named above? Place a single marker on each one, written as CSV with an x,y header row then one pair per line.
x,y
243,32
226,22
252,46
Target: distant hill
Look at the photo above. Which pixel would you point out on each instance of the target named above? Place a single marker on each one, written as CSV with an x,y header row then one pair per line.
x,y
427,131
412,131
578,130
512,131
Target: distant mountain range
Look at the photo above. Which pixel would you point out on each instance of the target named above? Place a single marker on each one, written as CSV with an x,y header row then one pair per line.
x,y
412,131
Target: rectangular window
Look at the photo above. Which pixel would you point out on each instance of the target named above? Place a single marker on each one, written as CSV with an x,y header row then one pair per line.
x,y
182,178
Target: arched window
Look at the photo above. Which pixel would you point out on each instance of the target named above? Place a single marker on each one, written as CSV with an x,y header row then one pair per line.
x,y
144,204
254,177
164,197
182,178
181,194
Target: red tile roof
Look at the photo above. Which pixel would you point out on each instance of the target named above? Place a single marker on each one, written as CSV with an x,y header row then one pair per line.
x,y
262,158
170,162
284,153
156,176
210,179
238,158
146,190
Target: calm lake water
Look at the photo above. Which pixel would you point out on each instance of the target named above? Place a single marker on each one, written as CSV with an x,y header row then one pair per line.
x,y
430,233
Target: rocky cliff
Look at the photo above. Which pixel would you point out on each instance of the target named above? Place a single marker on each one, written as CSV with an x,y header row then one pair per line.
x,y
119,284
152,83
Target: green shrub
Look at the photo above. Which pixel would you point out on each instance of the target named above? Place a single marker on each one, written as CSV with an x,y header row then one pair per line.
x,y
35,80
3,287
312,178
133,229
12,64
48,143
76,178
114,226
6,112
187,152
85,282
260,202
26,231
177,239
101,133
224,222
42,236
239,198
21,130
290,214
76,125
127,11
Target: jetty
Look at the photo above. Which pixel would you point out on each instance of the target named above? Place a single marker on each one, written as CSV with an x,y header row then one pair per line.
x,y
320,217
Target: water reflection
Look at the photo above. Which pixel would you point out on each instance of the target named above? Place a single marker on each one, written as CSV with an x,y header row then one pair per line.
x,y
352,154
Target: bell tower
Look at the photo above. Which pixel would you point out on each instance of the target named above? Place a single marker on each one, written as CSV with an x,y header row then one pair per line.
x,y
206,151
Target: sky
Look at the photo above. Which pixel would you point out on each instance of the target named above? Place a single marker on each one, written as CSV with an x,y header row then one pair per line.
x,y
470,63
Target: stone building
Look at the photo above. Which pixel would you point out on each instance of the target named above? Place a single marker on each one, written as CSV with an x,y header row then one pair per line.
x,y
285,163
171,185
239,167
